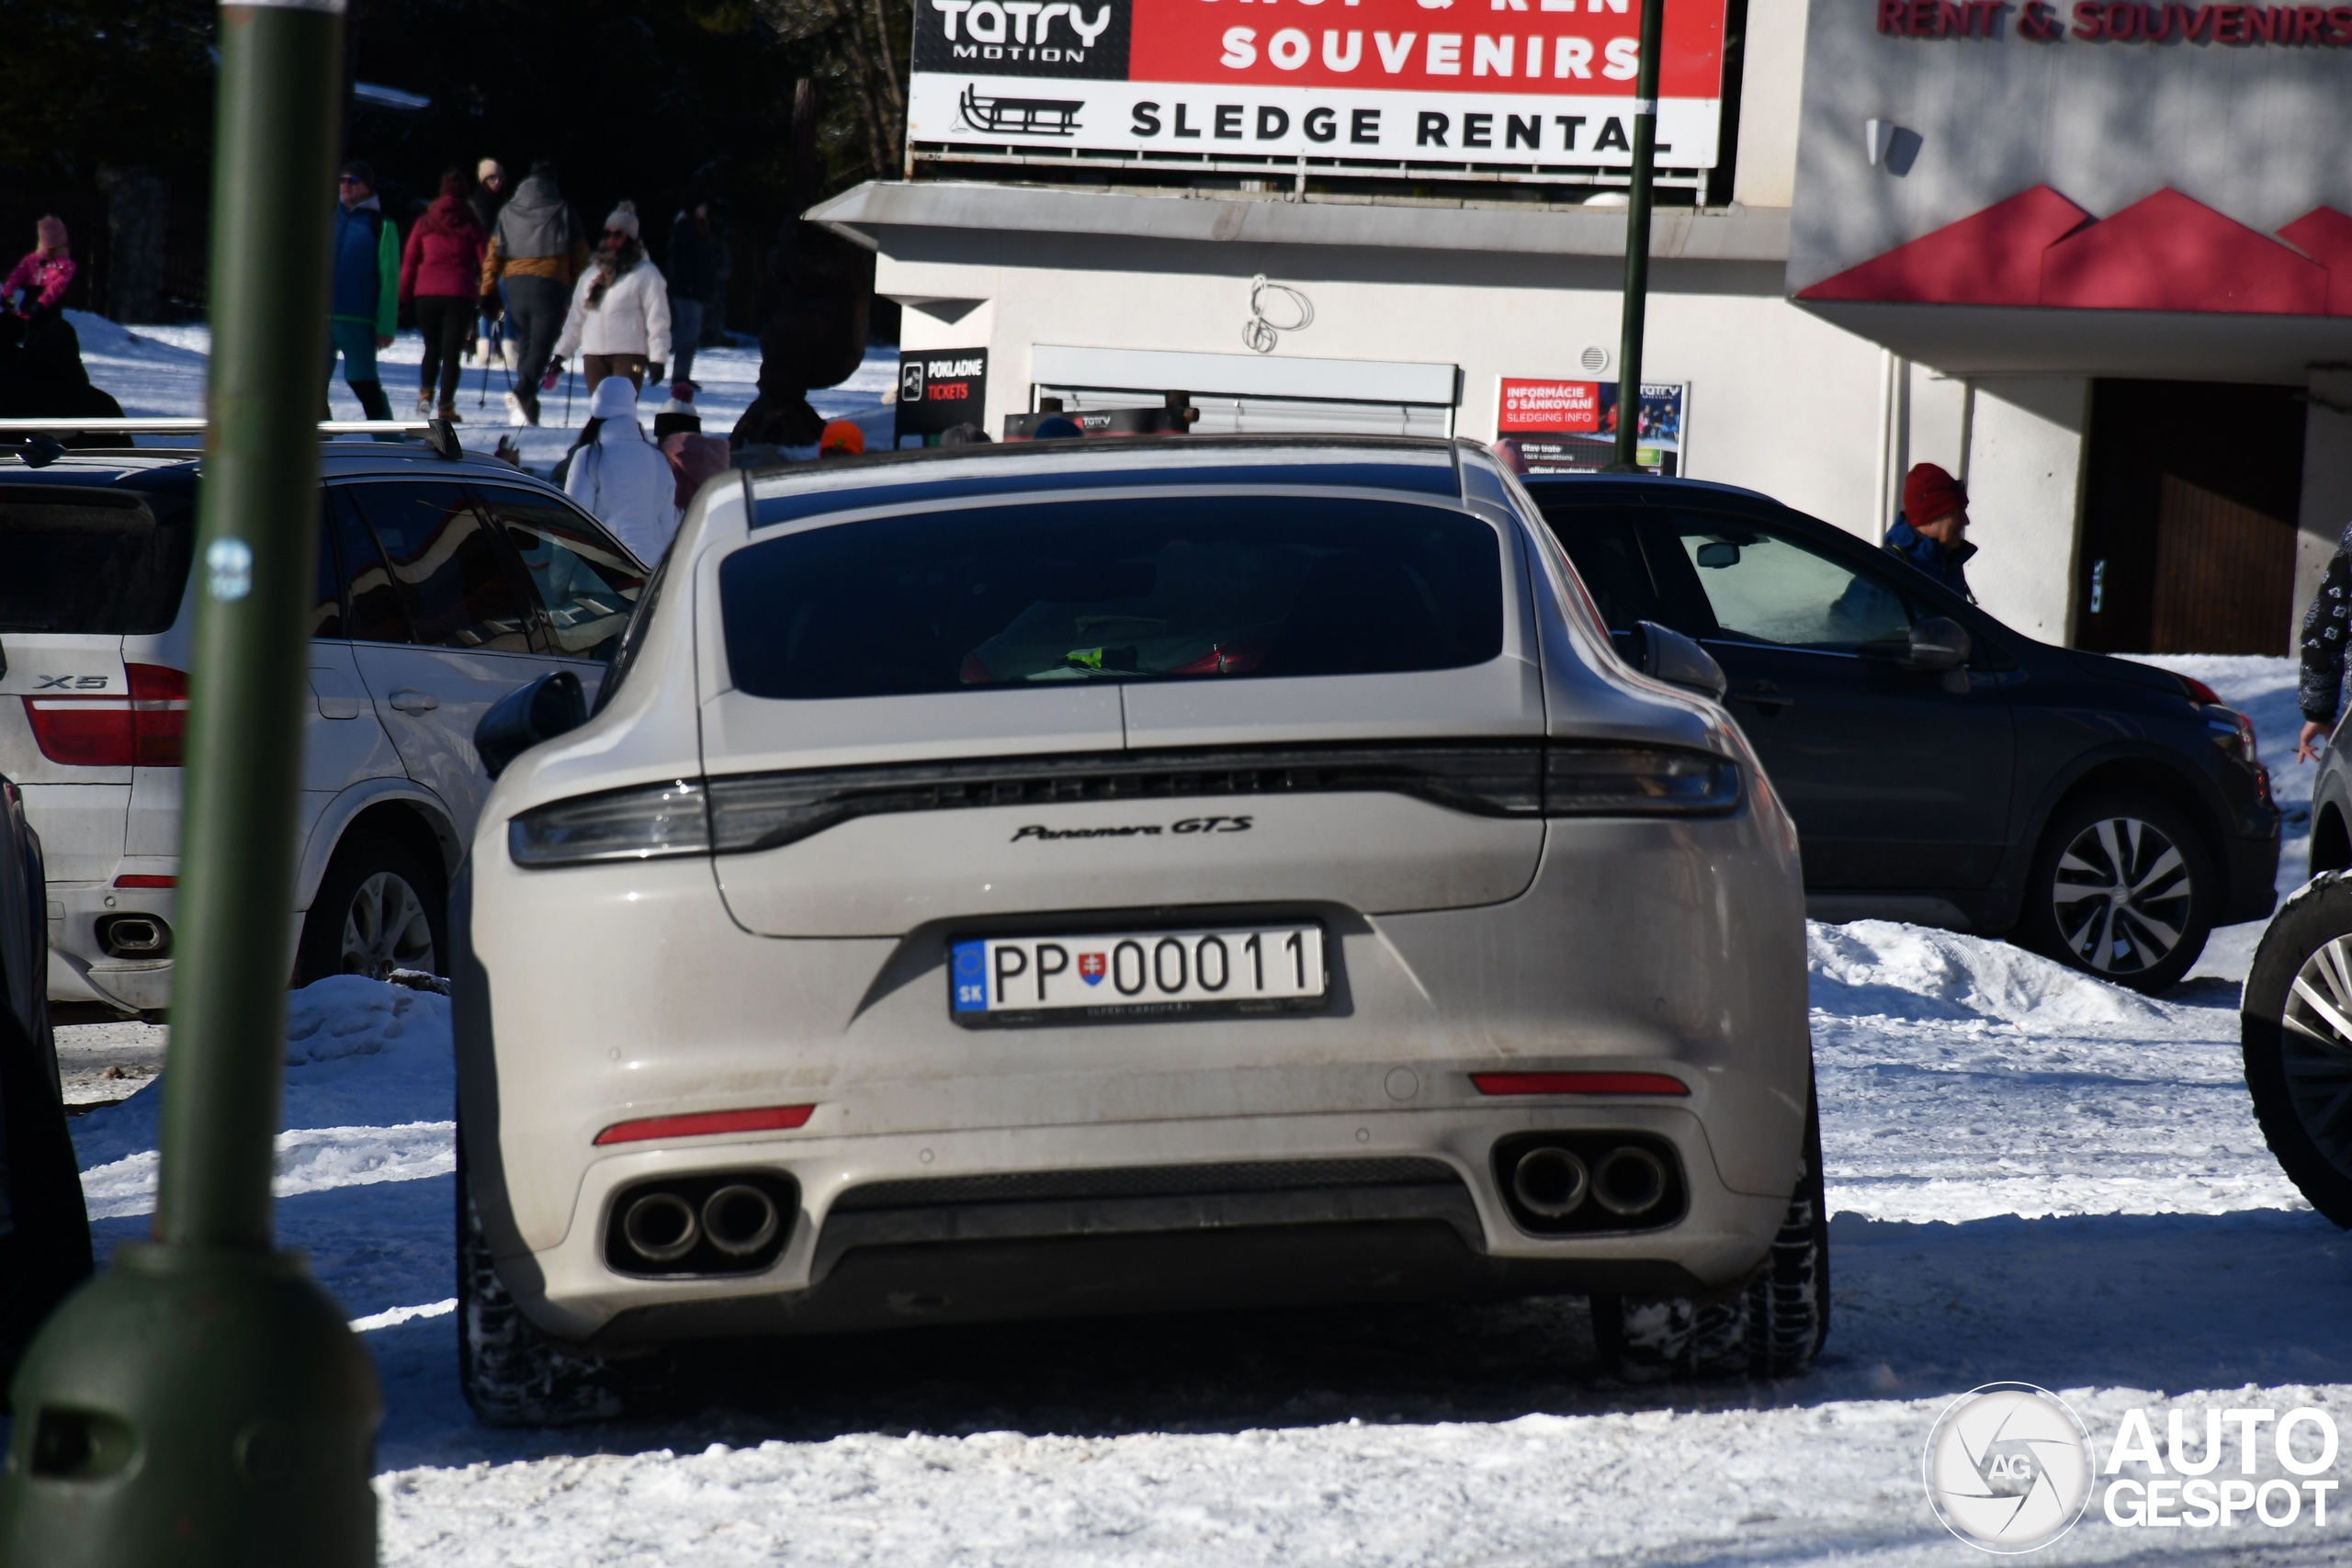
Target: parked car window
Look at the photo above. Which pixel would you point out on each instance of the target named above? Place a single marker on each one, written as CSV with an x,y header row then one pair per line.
x,y
326,598
1606,548
446,565
375,613
1766,588
74,561
584,581
1165,589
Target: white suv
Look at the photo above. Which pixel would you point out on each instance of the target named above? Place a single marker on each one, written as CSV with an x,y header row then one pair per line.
x,y
1100,876
441,586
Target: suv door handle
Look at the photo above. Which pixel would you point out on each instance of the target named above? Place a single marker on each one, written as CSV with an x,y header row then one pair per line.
x,y
409,700
1764,695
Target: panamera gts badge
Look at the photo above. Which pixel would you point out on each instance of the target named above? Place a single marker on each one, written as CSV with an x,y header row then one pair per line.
x,y
1020,117
1137,830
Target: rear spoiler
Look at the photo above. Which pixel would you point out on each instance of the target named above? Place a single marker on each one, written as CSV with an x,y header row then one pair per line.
x,y
39,435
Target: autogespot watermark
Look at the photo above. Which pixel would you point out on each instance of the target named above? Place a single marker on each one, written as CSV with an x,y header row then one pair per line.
x,y
2009,1468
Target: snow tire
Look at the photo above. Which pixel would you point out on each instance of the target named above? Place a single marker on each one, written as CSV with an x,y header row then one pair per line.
x,y
514,1372
1770,1327
2280,1062
366,862
2184,900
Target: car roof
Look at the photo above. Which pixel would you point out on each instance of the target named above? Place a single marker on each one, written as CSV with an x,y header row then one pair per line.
x,y
1420,466
1656,489
177,469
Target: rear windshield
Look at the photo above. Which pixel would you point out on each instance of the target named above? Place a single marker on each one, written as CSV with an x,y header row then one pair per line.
x,y
86,563
1178,587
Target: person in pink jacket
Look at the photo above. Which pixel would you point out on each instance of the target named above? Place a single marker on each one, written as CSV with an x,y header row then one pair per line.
x,y
441,278
43,276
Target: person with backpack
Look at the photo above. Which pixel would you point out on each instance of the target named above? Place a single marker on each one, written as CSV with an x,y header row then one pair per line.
x,y
440,279
536,250
365,309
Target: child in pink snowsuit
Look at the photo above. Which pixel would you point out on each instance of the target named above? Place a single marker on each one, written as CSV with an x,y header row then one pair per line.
x,y
45,274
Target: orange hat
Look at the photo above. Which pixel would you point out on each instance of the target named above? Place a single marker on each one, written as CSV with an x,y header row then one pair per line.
x,y
840,435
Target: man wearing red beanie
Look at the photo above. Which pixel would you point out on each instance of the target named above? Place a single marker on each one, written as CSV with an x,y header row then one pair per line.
x,y
1930,532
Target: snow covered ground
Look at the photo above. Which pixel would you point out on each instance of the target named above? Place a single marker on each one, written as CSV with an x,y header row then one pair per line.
x,y
2034,1177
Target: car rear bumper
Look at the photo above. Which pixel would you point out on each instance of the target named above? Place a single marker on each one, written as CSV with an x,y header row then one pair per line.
x,y
80,969
2251,878
848,1265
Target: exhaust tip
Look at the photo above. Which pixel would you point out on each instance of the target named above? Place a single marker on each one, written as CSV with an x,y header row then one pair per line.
x,y
135,936
661,1227
739,1219
1551,1181
1629,1181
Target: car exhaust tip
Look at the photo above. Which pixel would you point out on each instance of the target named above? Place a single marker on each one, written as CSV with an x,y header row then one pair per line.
x,y
1629,1181
134,936
661,1227
739,1219
1551,1181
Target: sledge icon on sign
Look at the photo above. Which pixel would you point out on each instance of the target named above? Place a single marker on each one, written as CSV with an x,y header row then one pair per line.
x,y
1020,117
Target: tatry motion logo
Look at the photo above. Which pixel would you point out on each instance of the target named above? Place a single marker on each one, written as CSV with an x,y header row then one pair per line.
x,y
2008,1467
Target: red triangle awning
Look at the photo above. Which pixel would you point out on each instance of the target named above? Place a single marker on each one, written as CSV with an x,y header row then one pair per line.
x,y
1993,257
2326,235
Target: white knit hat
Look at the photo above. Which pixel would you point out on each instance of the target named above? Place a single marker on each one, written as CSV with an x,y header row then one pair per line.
x,y
623,218
615,399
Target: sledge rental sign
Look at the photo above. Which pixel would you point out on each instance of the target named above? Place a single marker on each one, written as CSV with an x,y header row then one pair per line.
x,y
1451,88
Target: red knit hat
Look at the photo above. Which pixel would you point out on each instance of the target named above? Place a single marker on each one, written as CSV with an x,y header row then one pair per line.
x,y
1930,493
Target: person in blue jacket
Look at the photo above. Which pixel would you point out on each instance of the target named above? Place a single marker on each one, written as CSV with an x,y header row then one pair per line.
x,y
366,291
1931,531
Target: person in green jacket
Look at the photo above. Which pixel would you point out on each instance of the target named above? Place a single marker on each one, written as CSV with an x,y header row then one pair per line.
x,y
365,308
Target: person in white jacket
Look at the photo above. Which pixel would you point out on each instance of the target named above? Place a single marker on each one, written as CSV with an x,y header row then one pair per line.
x,y
619,321
622,477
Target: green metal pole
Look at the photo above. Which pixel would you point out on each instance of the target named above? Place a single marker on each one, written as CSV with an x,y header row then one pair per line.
x,y
203,1401
1637,240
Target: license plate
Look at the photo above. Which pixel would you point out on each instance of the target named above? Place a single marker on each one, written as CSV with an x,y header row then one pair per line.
x,y
1236,969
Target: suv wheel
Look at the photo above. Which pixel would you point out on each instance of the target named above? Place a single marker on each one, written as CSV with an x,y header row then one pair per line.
x,y
2295,1027
2123,888
1773,1327
380,908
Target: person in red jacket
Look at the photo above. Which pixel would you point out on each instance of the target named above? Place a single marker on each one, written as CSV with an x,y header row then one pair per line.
x,y
441,276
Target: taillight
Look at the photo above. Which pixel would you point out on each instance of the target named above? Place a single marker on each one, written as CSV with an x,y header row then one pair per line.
x,y
158,715
148,729
2199,693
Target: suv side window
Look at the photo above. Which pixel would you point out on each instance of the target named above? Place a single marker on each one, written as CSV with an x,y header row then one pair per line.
x,y
374,606
1604,544
585,583
326,598
452,576
1765,587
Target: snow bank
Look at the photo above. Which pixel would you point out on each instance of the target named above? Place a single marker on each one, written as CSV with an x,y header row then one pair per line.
x,y
1887,969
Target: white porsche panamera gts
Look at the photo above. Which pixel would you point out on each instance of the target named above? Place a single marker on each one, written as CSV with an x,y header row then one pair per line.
x,y
1126,876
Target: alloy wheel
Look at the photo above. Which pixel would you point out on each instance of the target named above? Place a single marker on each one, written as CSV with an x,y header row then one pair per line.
x,y
386,929
2315,1048
2120,896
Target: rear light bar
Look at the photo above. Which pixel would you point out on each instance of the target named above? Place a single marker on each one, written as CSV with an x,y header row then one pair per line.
x,y
767,1119
141,879
148,729
1578,1083
760,811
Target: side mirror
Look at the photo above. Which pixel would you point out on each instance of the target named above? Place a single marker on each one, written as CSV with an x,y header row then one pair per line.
x,y
1938,643
1668,655
542,710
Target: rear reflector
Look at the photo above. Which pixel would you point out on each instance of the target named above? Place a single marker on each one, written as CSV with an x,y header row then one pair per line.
x,y
767,1119
137,880
1578,1083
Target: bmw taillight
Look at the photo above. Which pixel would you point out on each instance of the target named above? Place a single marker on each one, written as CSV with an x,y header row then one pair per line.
x,y
147,730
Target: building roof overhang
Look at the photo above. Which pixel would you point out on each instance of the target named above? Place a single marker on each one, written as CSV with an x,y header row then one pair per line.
x,y
866,213
2185,345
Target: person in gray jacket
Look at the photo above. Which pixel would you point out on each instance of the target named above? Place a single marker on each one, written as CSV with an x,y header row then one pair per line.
x,y
536,252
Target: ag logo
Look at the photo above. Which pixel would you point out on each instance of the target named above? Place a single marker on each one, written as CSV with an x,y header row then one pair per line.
x,y
2008,1468
910,381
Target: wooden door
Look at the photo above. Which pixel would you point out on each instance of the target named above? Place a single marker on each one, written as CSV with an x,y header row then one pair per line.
x,y
2225,573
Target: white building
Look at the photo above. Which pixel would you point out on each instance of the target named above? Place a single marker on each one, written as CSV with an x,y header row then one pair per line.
x,y
2046,263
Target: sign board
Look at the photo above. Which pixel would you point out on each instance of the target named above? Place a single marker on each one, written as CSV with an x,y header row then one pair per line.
x,y
1470,90
1570,427
940,388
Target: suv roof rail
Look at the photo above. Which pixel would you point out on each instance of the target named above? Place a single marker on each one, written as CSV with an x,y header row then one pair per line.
x,y
195,427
